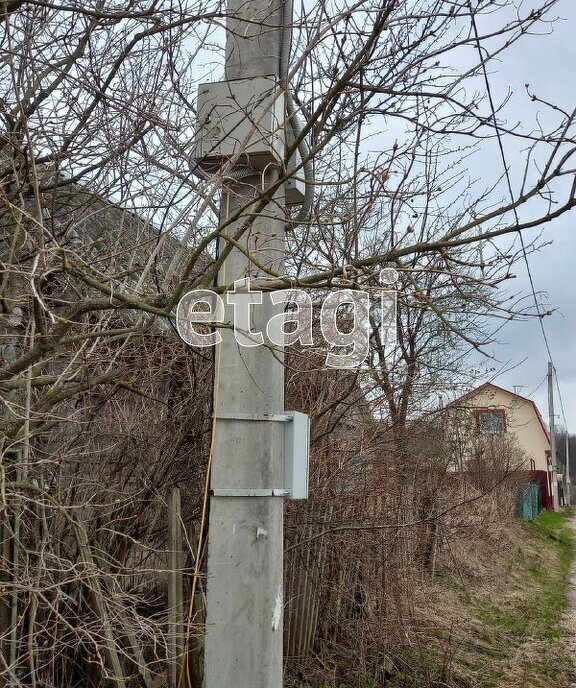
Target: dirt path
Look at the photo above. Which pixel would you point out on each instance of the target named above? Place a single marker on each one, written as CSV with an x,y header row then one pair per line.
x,y
570,616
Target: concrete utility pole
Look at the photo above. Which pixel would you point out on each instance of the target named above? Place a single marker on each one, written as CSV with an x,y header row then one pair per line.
x,y
567,470
554,467
243,645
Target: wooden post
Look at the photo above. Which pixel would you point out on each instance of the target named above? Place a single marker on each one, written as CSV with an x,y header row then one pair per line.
x,y
175,593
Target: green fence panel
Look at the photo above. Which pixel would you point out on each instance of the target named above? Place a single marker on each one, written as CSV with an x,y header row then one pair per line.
x,y
530,501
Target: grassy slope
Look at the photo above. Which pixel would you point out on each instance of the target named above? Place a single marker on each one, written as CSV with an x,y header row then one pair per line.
x,y
504,633
511,636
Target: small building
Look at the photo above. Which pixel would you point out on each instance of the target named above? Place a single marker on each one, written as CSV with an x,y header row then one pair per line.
x,y
490,414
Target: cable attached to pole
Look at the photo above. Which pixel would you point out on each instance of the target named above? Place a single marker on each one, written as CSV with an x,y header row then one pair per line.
x,y
293,120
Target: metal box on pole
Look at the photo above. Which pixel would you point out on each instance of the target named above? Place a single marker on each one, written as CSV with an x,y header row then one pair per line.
x,y
242,118
296,455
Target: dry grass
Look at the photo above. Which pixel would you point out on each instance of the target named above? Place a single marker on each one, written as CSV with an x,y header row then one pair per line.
x,y
497,625
503,629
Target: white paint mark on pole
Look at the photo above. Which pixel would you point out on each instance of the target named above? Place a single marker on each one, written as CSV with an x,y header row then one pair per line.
x,y
277,613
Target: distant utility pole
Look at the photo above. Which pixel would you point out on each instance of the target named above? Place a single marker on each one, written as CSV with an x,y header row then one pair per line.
x,y
567,470
554,467
244,618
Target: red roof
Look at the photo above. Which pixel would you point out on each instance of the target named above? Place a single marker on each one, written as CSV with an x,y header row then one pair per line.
x,y
477,390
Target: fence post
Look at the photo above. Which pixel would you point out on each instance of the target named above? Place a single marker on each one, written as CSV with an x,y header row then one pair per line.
x,y
175,593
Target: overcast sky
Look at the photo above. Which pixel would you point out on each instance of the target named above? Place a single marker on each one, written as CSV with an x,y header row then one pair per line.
x,y
548,64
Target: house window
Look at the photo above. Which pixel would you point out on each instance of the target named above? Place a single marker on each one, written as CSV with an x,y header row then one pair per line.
x,y
491,422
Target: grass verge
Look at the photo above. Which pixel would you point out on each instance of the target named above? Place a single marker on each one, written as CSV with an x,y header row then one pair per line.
x,y
500,631
515,626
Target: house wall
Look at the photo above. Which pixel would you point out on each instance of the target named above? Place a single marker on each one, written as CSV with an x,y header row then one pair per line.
x,y
521,421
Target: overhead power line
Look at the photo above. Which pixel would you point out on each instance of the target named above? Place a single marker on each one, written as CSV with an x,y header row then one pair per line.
x,y
560,399
537,304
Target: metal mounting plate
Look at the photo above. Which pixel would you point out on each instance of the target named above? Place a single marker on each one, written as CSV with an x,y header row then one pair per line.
x,y
278,417
249,492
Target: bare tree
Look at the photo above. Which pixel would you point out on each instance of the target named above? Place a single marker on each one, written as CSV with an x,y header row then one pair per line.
x,y
107,219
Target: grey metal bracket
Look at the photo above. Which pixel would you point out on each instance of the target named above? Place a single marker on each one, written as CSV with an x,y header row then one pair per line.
x,y
249,492
278,417
296,432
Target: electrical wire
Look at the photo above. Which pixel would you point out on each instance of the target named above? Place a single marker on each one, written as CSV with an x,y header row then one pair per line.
x,y
537,304
202,536
538,387
560,399
507,175
293,119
